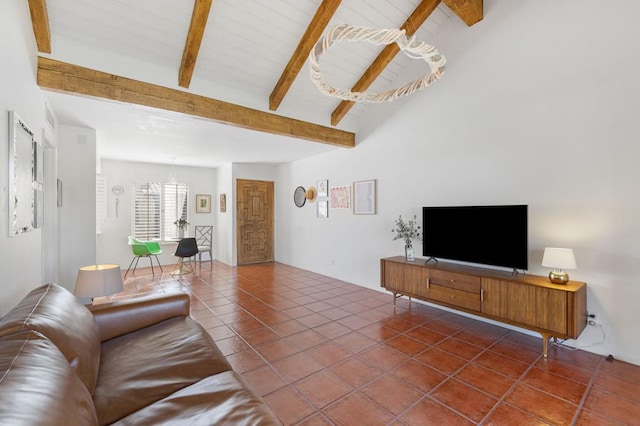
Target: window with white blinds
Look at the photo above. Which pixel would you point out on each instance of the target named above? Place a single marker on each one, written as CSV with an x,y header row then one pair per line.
x,y
101,202
175,207
156,207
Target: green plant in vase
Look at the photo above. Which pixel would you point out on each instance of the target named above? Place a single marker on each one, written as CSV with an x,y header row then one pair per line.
x,y
182,226
408,231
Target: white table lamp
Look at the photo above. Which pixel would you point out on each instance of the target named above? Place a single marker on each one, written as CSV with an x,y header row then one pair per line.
x,y
98,280
559,259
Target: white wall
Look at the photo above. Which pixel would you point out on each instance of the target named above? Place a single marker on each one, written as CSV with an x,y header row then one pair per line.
x,y
77,215
538,106
20,256
225,232
112,242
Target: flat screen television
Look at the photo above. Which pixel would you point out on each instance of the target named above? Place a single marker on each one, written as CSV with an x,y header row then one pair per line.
x,y
489,235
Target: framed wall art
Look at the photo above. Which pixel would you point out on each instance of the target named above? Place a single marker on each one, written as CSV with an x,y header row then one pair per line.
x,y
323,188
58,193
340,197
203,203
21,192
223,203
364,197
323,209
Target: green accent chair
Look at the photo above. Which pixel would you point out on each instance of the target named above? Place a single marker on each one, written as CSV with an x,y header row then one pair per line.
x,y
144,249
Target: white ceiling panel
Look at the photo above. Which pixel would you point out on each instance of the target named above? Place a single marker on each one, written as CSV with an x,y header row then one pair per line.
x,y
245,48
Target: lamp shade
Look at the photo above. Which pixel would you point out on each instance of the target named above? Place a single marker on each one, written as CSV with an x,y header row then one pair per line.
x,y
559,258
98,280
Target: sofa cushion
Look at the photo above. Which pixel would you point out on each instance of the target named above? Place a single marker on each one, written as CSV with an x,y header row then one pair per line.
x,y
147,365
132,313
57,314
37,385
222,399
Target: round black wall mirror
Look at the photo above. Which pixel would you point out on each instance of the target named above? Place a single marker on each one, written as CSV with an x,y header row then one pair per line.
x,y
299,196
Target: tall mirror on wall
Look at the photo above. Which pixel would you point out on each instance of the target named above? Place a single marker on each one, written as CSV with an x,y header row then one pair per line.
x,y
21,169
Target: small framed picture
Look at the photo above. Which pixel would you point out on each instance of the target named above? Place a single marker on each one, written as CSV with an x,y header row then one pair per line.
x,y
323,209
203,203
340,197
223,203
58,193
323,188
364,197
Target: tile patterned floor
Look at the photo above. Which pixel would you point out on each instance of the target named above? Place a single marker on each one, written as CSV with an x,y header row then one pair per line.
x,y
321,351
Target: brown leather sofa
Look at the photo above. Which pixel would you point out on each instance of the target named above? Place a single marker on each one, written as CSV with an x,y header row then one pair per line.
x,y
140,361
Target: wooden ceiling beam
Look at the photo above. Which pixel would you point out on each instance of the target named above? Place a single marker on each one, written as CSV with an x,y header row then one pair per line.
x,y
320,20
198,24
40,24
415,20
470,11
69,78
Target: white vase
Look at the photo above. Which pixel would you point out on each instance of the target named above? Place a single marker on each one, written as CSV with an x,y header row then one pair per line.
x,y
408,253
181,233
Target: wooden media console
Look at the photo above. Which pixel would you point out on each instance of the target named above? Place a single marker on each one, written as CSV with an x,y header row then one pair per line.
x,y
528,301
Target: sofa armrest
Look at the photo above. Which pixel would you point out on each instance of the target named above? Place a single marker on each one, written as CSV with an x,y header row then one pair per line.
x,y
124,316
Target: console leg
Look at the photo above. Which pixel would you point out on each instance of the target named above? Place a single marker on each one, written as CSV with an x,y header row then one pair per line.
x,y
397,296
545,344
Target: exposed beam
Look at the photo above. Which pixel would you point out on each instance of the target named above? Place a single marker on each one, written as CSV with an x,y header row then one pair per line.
x,y
415,20
470,11
40,24
323,15
194,39
64,77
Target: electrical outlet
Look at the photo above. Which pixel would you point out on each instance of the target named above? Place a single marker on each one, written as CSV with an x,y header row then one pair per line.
x,y
592,319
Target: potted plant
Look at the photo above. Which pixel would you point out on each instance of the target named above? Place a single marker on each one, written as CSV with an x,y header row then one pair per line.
x,y
182,226
407,231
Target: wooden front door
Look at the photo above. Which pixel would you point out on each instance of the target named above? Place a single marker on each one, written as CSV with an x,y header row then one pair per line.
x,y
255,221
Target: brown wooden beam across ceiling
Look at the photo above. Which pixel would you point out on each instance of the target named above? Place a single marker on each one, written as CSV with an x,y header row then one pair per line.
x,y
323,15
411,25
470,11
40,24
198,24
64,77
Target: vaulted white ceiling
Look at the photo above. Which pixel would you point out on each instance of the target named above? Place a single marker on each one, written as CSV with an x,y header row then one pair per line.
x,y
245,47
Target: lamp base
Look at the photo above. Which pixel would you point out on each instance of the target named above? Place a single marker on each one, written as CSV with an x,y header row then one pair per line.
x,y
558,277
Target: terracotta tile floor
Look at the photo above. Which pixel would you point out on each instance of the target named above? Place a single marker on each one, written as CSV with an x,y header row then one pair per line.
x,y
322,351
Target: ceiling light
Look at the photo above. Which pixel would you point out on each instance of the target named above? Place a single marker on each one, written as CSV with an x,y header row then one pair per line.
x,y
412,48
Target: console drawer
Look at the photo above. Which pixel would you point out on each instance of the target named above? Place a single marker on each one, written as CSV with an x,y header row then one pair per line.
x,y
454,280
454,297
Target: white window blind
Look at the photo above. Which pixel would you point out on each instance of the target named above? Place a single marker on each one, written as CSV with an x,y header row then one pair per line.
x,y
101,202
156,207
146,210
176,196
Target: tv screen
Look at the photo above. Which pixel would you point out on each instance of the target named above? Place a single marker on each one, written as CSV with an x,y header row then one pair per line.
x,y
489,235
